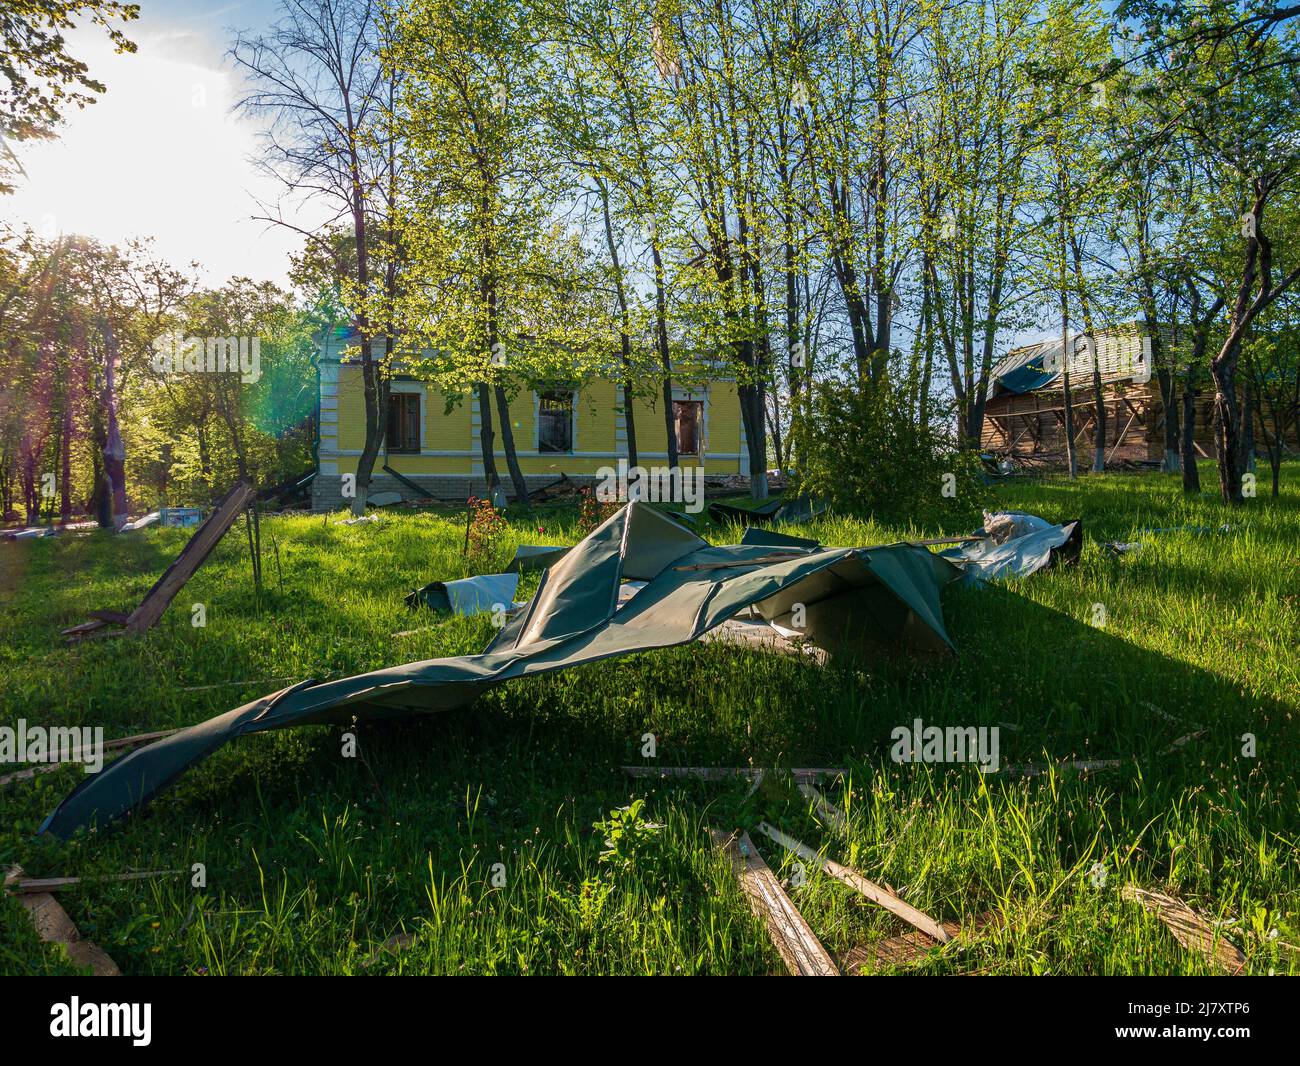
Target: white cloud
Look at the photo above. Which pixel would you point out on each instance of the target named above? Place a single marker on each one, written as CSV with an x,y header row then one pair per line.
x,y
159,155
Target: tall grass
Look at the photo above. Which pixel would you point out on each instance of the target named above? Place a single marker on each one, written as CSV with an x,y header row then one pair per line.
x,y
473,835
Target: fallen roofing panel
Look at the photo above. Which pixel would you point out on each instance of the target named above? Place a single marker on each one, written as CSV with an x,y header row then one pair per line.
x,y
469,595
1015,544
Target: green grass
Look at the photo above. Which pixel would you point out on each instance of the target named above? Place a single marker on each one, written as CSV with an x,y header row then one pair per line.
x,y
313,861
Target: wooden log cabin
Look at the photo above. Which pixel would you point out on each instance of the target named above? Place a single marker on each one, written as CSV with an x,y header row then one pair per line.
x,y
1024,416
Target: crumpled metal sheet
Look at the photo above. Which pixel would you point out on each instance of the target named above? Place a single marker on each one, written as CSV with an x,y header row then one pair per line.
x,y
881,594
468,595
1017,544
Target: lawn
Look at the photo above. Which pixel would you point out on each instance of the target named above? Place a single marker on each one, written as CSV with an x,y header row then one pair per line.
x,y
477,835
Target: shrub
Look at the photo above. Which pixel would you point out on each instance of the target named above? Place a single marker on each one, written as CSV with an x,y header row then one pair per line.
x,y
865,454
486,528
592,512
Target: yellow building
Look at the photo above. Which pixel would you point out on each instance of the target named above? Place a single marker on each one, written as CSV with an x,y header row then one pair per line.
x,y
433,442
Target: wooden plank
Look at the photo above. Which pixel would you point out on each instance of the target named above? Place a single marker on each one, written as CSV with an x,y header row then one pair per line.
x,y
798,946
53,926
173,579
910,946
827,811
1084,766
851,877
1189,928
57,884
1120,439
196,550
75,756
723,773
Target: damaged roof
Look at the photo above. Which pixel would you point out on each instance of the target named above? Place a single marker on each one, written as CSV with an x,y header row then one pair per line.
x,y
884,594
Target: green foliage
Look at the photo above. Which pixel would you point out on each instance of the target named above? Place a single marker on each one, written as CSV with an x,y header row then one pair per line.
x,y
41,79
865,454
630,840
592,512
483,544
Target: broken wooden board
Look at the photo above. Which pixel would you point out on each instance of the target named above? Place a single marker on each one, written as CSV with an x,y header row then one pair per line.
x,y
910,946
1190,930
75,756
54,884
759,635
851,877
723,773
1083,766
826,810
798,946
182,568
53,926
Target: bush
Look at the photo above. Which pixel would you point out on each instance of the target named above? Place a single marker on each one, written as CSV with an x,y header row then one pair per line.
x,y
865,454
592,512
485,537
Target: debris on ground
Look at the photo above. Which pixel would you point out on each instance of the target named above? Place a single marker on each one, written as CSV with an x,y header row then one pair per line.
x,y
1016,544
796,509
560,489
535,557
859,883
142,522
173,579
75,756
469,595
57,884
53,926
1190,930
798,946
887,596
181,517
1121,547
911,946
393,945
727,773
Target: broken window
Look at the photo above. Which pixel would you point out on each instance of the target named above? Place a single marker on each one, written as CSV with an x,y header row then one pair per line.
x,y
403,421
555,421
688,417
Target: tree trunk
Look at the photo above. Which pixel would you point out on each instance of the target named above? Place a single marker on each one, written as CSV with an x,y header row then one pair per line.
x,y
665,360
1071,460
487,438
625,327
1172,463
1191,474
114,449
376,425
508,446
1226,427
65,456
1246,459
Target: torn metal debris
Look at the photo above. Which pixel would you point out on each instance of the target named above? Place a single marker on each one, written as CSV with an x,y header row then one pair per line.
x,y
887,594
